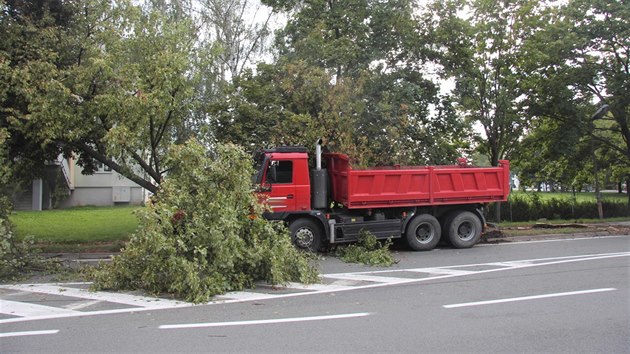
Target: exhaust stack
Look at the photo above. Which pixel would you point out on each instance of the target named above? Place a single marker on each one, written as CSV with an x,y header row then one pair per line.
x,y
319,180
318,154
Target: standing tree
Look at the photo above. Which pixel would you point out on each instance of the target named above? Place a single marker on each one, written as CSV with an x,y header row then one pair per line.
x,y
582,58
111,84
351,71
33,34
481,42
239,30
552,152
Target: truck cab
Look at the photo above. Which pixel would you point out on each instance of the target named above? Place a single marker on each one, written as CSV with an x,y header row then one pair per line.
x,y
284,180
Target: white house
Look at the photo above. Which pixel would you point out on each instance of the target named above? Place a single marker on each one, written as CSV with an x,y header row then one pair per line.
x,y
64,178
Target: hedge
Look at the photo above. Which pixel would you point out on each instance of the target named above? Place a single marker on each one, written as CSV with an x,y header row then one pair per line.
x,y
531,207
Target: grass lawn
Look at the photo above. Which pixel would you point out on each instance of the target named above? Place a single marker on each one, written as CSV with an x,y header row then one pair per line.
x,y
77,225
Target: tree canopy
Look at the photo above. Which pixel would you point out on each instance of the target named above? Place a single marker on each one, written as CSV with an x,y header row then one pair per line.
x,y
577,63
351,72
112,84
119,82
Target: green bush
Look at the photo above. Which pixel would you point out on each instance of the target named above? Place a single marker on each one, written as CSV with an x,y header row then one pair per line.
x,y
529,207
368,250
203,233
20,257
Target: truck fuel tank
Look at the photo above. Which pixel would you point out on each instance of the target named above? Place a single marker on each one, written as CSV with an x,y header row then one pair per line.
x,y
319,188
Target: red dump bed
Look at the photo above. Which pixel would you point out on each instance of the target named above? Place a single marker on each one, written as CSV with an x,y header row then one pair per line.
x,y
398,186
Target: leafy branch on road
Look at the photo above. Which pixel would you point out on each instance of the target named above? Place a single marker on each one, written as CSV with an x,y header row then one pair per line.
x,y
368,250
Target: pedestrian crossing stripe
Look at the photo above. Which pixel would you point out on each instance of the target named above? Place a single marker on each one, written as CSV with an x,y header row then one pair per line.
x,y
81,299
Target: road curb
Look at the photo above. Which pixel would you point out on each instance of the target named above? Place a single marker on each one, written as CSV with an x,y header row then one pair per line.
x,y
544,237
86,257
489,238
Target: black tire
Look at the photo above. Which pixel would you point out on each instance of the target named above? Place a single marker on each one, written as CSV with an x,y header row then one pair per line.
x,y
463,229
306,235
423,233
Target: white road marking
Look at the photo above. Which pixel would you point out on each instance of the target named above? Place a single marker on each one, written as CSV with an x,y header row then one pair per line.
x,y
337,285
526,298
515,264
454,271
81,304
126,299
341,282
443,271
244,296
367,277
25,309
16,293
28,333
84,314
259,322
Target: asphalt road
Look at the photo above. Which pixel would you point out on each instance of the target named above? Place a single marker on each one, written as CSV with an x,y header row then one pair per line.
x,y
561,296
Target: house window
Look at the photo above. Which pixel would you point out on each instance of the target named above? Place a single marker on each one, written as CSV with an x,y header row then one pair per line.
x,y
101,168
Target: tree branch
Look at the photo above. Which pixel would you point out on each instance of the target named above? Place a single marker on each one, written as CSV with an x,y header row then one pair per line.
x,y
123,170
146,167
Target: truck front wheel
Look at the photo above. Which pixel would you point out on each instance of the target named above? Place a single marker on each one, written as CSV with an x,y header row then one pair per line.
x,y
423,233
306,235
463,229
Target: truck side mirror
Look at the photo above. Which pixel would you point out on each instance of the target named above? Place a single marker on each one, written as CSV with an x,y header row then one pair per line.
x,y
265,187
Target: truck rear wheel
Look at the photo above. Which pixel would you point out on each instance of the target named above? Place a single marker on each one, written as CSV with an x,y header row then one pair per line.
x,y
463,229
423,233
306,235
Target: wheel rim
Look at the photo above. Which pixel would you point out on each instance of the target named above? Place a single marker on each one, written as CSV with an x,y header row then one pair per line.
x,y
466,231
424,233
304,237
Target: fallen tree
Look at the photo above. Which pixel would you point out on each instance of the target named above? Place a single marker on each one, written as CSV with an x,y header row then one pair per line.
x,y
203,233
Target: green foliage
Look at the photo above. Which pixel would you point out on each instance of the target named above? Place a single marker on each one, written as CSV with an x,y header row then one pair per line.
x,y
19,257
31,31
576,63
554,152
483,53
203,234
368,250
5,176
532,206
16,257
351,72
108,81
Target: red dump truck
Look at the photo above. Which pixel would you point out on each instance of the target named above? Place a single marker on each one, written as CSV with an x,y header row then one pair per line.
x,y
333,202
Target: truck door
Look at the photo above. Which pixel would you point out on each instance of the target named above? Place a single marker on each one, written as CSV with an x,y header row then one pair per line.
x,y
279,176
